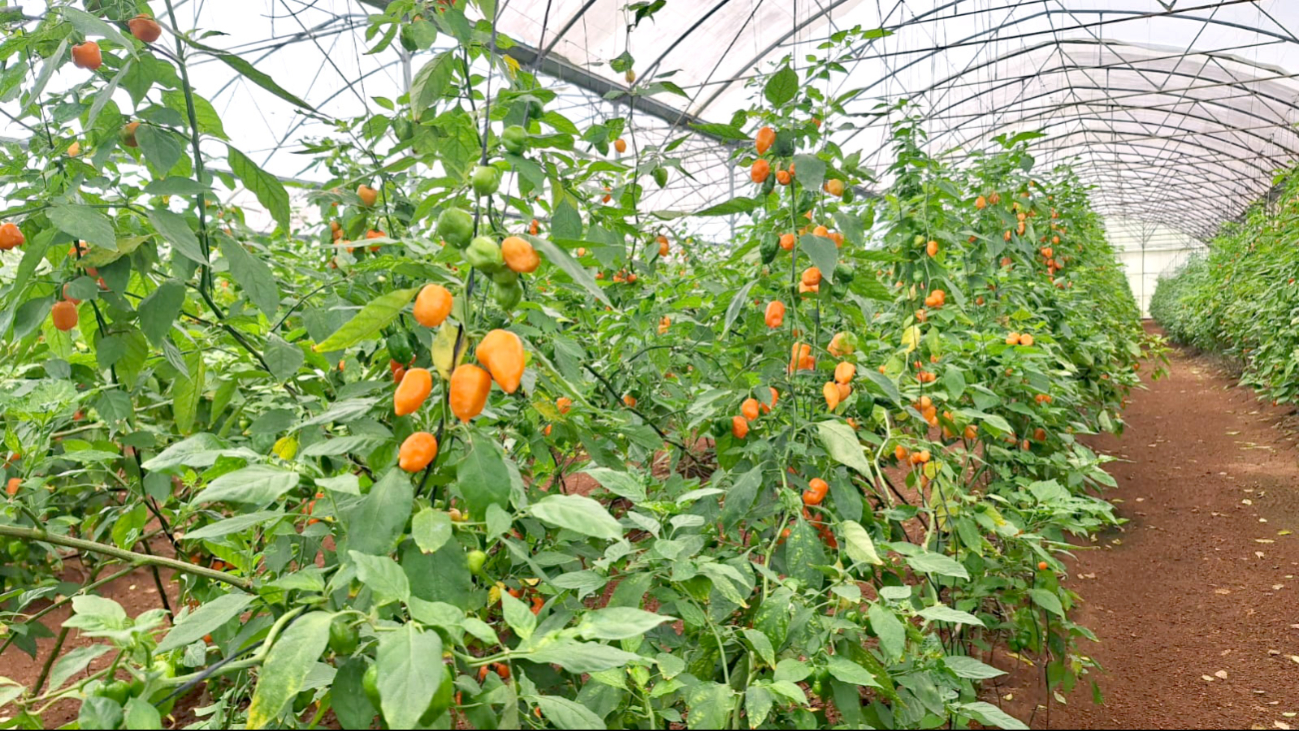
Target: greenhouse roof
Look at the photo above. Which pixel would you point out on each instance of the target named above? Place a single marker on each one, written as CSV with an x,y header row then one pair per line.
x,y
1178,111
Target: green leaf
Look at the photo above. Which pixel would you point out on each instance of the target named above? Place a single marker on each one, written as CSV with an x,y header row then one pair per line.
x,y
851,227
209,122
159,146
290,660
858,543
738,303
99,712
175,229
823,253
283,358
810,170
372,318
206,619
518,616
160,309
73,663
383,576
254,275
781,87
721,131
140,714
709,705
347,695
968,667
378,523
758,701
563,713
990,715
234,524
618,483
247,70
761,645
619,623
841,444
576,271
185,452
936,563
1047,600
567,222
803,553
269,190
884,385
943,613
85,223
89,25
187,391
430,83
850,672
431,529
578,514
890,630
732,206
582,657
254,485
482,477
740,497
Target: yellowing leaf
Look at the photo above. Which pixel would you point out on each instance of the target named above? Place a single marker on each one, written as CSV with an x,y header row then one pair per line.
x,y
911,338
286,448
443,345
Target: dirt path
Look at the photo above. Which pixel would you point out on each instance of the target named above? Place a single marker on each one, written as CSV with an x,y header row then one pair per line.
x,y
1196,599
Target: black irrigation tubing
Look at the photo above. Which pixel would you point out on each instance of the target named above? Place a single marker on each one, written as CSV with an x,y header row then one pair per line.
x,y
212,669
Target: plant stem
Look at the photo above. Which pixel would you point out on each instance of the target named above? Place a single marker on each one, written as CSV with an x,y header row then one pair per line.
x,y
135,559
49,661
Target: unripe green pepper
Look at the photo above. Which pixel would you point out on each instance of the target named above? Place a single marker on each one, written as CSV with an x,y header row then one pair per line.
x,y
485,180
343,637
484,254
508,297
456,227
769,248
515,139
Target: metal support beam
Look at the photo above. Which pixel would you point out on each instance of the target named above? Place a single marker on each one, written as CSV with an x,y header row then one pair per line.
x,y
559,68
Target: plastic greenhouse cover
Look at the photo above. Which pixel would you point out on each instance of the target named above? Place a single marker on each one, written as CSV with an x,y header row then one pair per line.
x,y
1178,111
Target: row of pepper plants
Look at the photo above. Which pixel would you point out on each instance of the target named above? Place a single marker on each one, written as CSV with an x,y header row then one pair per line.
x,y
495,445
1239,298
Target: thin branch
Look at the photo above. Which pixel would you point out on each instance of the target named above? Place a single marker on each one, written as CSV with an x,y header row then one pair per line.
x,y
135,559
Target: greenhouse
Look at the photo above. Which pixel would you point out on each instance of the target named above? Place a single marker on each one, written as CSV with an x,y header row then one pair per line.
x,y
494,364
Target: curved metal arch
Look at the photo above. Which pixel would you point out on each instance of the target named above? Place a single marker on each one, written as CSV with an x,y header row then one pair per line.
x,y
1209,132
1110,104
1064,68
1136,15
823,10
1184,157
1108,43
1188,178
1186,221
1153,91
1199,219
649,70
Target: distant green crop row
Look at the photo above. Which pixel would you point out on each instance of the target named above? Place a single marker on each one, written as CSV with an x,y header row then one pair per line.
x,y
1241,299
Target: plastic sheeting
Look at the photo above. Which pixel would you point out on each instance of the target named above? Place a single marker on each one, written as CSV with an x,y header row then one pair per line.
x,y
1178,111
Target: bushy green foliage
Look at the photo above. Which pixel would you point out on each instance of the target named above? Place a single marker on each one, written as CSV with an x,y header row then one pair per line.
x,y
607,545
1240,298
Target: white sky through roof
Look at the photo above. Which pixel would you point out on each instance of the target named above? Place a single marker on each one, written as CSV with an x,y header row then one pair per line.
x,y
1179,111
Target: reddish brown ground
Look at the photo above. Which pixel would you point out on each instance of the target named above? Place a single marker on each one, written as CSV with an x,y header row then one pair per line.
x,y
1203,579
136,593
